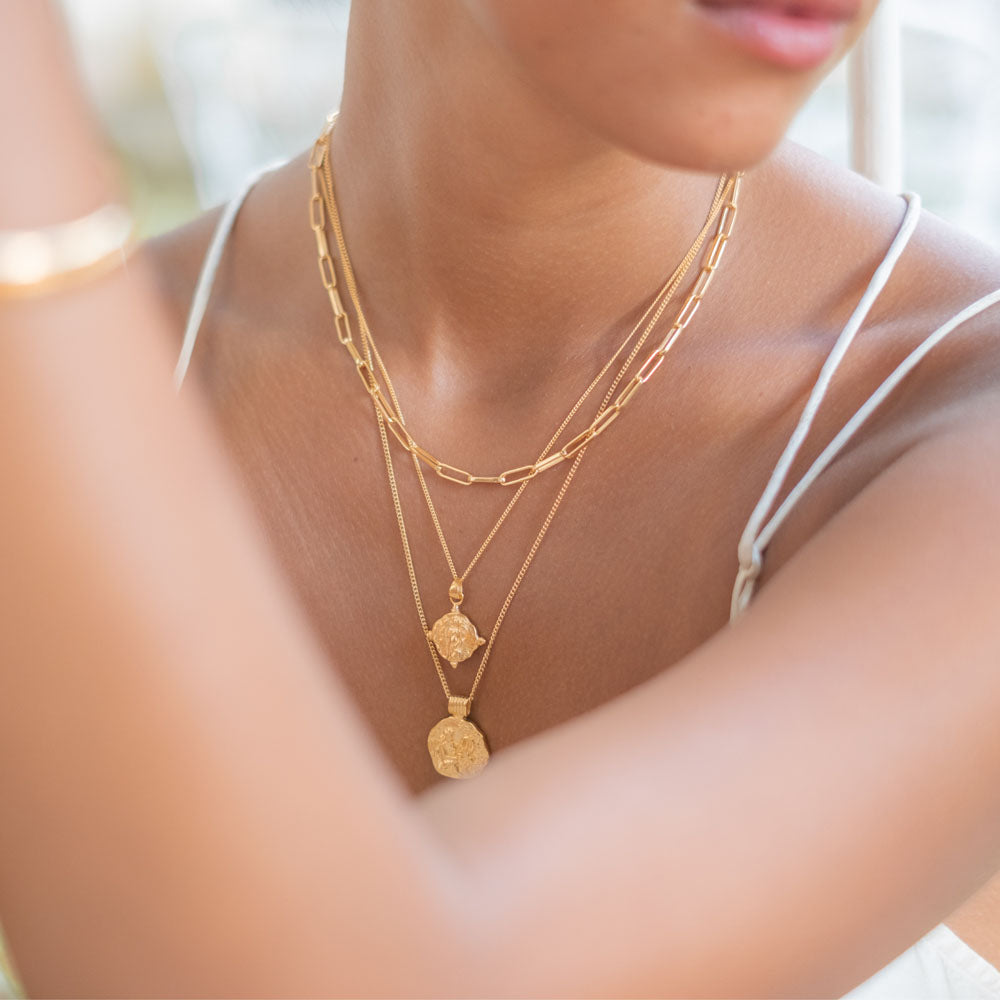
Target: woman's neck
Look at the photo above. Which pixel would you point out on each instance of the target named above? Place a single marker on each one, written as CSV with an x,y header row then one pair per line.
x,y
478,214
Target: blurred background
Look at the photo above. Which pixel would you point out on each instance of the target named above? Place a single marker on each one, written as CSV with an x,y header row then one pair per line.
x,y
197,93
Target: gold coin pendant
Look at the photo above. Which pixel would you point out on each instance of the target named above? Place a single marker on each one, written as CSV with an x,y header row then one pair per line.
x,y
457,748
455,636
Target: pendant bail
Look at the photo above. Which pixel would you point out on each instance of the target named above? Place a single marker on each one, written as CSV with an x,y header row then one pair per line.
x,y
455,592
459,707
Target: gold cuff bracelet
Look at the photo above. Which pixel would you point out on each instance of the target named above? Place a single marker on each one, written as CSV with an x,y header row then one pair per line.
x,y
54,258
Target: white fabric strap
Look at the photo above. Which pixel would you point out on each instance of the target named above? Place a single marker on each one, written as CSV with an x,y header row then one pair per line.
x,y
743,589
868,407
749,552
203,289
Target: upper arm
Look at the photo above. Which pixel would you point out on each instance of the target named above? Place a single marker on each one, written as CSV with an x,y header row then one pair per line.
x,y
794,803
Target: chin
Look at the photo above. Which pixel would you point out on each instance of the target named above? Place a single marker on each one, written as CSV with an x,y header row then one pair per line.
x,y
725,130
655,78
729,142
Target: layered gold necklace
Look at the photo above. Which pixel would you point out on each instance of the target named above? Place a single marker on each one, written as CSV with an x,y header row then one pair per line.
x,y
456,745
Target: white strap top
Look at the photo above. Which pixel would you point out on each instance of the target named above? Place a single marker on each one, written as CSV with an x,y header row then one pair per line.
x,y
940,966
206,277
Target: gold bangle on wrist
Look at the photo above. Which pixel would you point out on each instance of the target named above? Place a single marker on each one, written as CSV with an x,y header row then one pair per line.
x,y
54,258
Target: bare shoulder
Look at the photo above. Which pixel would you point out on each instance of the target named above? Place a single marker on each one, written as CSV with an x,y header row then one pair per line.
x,y
847,223
836,228
813,234
263,275
175,259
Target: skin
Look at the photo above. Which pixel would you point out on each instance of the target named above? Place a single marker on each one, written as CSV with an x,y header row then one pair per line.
x,y
814,746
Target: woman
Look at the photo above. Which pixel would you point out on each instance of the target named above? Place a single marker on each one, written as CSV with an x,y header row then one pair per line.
x,y
672,807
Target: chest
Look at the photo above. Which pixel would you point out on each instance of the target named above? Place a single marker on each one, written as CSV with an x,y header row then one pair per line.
x,y
635,568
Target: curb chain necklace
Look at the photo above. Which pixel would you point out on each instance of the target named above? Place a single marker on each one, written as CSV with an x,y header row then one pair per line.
x,y
457,747
454,635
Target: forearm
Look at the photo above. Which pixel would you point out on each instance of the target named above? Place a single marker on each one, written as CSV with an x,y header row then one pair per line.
x,y
170,736
792,805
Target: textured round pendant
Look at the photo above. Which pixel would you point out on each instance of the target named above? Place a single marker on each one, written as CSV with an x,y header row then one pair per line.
x,y
457,748
455,636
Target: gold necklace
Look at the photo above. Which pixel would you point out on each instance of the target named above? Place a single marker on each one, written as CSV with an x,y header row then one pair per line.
x,y
454,634
519,474
457,747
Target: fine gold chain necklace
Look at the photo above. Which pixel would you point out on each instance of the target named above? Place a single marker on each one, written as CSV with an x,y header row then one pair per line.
x,y
454,634
457,747
519,474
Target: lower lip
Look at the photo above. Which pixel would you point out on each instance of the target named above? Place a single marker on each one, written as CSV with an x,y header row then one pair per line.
x,y
782,39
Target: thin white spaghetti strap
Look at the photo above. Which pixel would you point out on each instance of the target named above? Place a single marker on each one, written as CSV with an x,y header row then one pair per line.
x,y
743,589
203,289
749,553
900,372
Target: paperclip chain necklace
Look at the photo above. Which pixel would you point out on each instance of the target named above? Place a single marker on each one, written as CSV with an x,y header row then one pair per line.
x,y
456,745
519,474
454,635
